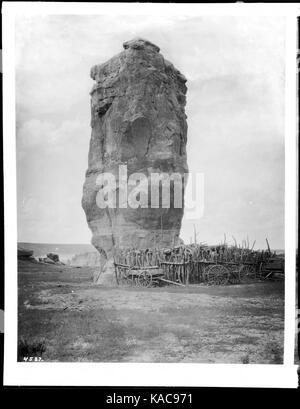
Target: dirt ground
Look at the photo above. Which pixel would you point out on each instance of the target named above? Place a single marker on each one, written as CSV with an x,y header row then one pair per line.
x,y
74,320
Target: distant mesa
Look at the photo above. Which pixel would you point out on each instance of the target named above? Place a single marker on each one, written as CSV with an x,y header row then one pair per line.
x,y
24,254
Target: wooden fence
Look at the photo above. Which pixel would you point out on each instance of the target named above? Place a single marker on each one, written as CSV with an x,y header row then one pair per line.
x,y
193,264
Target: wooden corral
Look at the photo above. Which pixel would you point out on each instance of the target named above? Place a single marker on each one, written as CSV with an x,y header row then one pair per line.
x,y
192,264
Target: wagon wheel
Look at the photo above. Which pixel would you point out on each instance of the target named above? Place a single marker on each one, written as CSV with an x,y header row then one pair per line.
x,y
128,278
205,272
144,279
247,273
234,277
217,274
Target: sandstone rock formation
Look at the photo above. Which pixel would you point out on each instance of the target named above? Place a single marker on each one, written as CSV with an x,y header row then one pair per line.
x,y
54,257
137,119
24,254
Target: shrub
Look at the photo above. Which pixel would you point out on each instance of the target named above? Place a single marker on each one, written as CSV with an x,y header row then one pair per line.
x,y
29,351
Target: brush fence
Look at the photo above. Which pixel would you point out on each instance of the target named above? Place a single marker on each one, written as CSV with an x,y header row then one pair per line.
x,y
193,264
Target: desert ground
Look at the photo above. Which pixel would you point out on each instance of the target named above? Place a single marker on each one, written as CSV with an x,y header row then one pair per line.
x,y
63,317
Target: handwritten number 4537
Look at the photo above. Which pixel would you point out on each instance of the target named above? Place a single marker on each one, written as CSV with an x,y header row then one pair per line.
x,y
32,359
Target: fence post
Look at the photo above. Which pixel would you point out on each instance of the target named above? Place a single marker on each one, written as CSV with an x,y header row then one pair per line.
x,y
186,268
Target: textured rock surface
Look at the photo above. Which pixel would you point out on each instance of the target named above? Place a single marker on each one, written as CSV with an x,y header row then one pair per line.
x,y
137,119
53,256
24,253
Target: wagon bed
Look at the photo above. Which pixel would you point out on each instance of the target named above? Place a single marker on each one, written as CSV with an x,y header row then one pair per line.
x,y
138,276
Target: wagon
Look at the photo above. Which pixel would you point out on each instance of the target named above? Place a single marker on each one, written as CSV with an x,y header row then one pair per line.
x,y
228,272
138,276
273,268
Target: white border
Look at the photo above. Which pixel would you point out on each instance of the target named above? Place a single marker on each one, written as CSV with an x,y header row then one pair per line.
x,y
123,374
290,190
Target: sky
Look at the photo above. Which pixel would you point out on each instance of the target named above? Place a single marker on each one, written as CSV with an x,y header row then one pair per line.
x,y
235,108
